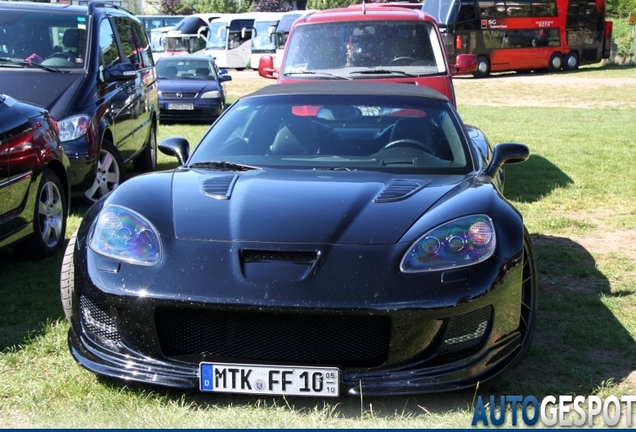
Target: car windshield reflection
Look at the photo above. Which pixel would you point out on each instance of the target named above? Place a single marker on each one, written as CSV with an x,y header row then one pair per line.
x,y
341,132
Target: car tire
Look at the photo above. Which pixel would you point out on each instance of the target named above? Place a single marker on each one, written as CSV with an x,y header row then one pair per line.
x,y
67,278
556,62
529,296
483,67
49,219
147,160
571,62
110,172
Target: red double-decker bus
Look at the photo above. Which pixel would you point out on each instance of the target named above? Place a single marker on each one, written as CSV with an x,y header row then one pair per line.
x,y
522,35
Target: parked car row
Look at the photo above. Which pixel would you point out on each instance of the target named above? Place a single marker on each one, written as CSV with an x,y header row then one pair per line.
x,y
90,102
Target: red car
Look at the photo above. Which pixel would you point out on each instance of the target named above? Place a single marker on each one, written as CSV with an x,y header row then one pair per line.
x,y
34,180
389,44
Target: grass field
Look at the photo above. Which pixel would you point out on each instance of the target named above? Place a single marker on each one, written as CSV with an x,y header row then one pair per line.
x,y
577,193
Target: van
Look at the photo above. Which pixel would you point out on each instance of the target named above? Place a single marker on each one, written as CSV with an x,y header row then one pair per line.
x,y
366,42
91,66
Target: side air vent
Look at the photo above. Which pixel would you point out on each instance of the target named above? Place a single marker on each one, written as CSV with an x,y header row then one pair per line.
x,y
398,190
219,187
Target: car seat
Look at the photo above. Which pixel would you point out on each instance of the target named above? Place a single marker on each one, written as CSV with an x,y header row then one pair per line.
x,y
75,42
202,72
296,135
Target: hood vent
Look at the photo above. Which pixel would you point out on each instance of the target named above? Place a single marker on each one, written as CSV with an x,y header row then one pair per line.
x,y
254,255
219,187
398,190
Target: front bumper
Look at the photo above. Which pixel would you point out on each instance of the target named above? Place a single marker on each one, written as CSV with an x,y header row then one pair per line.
x,y
413,346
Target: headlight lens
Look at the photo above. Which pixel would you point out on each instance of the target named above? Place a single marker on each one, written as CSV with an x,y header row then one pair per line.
x,y
72,128
211,95
458,243
125,235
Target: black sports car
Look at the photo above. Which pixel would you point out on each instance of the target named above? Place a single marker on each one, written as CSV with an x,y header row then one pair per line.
x,y
323,238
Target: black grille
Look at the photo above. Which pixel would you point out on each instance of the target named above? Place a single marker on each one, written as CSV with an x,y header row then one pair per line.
x,y
251,255
97,320
315,339
467,331
184,95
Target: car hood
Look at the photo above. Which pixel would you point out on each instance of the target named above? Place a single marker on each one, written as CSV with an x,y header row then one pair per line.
x,y
53,91
189,86
302,206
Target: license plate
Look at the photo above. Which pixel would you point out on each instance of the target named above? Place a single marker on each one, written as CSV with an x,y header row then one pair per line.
x,y
180,106
269,380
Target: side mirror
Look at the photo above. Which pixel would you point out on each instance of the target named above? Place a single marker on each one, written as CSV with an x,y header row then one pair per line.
x,y
507,153
266,67
120,72
177,147
224,77
464,64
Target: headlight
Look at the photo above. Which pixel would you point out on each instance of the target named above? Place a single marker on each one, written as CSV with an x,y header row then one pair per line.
x,y
73,127
458,243
211,95
125,235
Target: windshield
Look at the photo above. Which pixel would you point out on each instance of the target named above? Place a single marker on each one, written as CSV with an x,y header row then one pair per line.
x,y
444,11
183,43
217,36
170,68
51,39
264,39
284,26
346,48
339,132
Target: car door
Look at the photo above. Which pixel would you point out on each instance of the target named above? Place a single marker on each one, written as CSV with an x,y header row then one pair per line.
x,y
4,170
133,119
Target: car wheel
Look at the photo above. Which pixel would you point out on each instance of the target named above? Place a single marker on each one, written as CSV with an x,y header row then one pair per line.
x,y
67,278
109,173
556,62
571,62
483,67
147,160
529,295
49,220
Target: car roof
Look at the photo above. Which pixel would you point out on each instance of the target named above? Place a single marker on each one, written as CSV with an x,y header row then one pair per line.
x,y
19,5
187,57
369,14
350,88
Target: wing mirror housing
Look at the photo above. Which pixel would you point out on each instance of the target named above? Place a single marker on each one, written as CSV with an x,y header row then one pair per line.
x,y
507,153
177,147
464,64
266,67
120,72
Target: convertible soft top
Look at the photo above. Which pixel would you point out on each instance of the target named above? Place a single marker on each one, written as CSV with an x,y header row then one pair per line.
x,y
351,88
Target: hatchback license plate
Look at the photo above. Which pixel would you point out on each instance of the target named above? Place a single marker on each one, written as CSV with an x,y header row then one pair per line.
x,y
180,106
269,380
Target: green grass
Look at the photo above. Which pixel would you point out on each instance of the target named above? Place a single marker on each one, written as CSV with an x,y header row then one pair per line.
x,y
576,193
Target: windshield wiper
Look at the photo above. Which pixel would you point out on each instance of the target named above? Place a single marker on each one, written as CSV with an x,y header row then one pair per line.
x,y
382,72
322,74
25,63
224,166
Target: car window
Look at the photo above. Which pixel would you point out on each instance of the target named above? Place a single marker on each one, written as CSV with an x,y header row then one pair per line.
x,y
186,69
134,42
349,47
335,132
108,45
49,38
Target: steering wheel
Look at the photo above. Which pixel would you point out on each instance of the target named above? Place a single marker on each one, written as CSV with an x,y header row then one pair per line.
x,y
403,60
62,55
411,143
